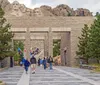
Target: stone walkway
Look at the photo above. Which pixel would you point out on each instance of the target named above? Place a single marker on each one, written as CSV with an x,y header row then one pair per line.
x,y
58,76
12,75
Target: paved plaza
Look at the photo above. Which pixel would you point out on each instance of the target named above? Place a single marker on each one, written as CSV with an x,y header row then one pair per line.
x,y
57,76
12,75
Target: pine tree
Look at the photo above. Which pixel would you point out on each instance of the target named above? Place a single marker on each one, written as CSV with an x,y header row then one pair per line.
x,y
97,13
82,45
56,47
69,14
18,44
94,39
5,36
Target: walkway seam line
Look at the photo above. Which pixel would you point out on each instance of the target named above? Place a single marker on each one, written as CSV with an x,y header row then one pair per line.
x,y
25,78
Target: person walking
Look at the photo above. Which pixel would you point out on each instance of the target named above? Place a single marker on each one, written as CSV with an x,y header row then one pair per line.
x,y
26,65
39,62
50,61
33,64
44,63
47,62
11,61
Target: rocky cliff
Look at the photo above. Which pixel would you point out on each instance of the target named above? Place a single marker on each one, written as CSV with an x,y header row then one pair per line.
x,y
5,5
19,10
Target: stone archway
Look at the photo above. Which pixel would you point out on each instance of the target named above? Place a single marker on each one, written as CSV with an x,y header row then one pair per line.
x,y
47,35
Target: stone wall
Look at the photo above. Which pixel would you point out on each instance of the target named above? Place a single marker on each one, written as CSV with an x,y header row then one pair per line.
x,y
5,62
39,28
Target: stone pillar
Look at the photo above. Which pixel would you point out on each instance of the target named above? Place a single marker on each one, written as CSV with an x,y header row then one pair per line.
x,y
50,44
27,43
65,49
62,49
46,46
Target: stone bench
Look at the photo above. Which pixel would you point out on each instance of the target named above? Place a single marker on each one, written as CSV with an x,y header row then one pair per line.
x,y
92,67
85,66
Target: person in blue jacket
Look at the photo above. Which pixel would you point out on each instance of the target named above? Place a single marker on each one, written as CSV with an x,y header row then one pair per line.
x,y
26,65
45,63
41,62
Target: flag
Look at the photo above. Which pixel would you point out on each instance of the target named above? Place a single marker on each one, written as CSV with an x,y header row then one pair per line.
x,y
19,49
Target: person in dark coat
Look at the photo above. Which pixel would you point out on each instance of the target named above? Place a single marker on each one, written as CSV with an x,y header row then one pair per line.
x,y
45,63
26,65
39,62
50,61
33,64
11,61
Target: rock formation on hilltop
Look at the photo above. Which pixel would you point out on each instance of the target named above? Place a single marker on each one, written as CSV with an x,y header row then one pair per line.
x,y
65,10
82,12
19,10
47,10
5,5
62,10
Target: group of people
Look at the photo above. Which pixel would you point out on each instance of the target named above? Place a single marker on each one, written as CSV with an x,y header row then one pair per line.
x,y
46,62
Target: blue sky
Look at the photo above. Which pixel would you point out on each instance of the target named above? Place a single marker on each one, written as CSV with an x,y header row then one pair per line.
x,y
92,5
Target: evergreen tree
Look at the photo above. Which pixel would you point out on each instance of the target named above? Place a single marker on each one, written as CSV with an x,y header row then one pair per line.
x,y
97,13
5,37
69,13
94,39
82,46
18,44
56,47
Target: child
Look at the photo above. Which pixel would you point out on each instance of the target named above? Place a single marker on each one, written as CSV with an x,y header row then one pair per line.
x,y
26,65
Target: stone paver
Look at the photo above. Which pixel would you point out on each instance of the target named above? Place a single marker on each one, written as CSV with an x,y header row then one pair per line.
x,y
57,76
82,72
12,75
